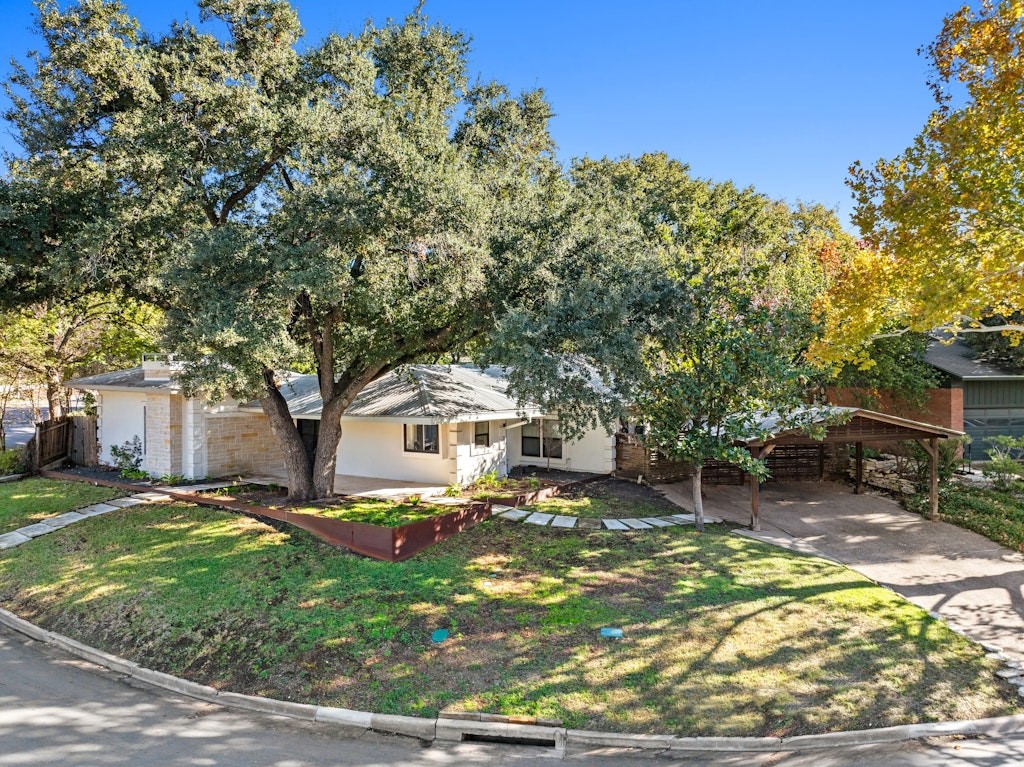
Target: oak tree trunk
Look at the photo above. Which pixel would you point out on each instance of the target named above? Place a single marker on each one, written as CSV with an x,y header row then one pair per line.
x,y
300,474
54,390
327,447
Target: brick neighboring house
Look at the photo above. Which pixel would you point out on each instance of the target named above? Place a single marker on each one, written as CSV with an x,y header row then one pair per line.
x,y
432,424
977,397
991,396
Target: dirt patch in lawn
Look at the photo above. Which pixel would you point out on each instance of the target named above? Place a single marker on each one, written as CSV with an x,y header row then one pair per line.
x,y
722,635
608,499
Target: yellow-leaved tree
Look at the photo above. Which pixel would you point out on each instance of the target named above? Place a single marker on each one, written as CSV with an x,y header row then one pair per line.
x,y
943,223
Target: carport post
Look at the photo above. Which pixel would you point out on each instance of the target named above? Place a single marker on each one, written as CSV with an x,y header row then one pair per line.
x,y
859,468
755,518
933,492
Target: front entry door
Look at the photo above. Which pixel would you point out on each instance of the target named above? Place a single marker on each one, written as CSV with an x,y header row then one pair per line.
x,y
309,431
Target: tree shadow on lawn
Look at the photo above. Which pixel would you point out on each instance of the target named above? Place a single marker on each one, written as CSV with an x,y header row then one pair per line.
x,y
722,635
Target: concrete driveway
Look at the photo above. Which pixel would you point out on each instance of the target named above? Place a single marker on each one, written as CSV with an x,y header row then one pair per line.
x,y
974,584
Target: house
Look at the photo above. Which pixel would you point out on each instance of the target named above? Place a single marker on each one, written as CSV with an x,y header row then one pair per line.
x,y
991,396
429,424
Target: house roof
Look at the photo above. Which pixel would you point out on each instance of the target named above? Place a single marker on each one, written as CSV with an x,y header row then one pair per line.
x,y
961,361
411,394
415,393
857,425
124,380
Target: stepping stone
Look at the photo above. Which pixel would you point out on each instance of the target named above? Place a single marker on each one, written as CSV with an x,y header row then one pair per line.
x,y
514,514
655,522
10,540
1017,681
682,519
124,503
63,520
500,508
152,497
1004,673
588,523
563,521
34,531
539,518
98,508
636,524
614,524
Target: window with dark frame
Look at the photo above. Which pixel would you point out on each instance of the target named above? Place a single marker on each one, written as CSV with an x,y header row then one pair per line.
x,y
540,442
422,438
482,434
531,439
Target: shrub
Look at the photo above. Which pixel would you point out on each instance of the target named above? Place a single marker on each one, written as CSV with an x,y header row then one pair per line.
x,y
453,490
128,458
13,461
1004,467
920,462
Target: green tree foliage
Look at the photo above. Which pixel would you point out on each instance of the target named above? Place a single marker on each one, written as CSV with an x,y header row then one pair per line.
x,y
346,206
47,343
717,369
897,367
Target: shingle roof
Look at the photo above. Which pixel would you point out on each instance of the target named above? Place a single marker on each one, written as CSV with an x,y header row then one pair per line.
x,y
434,393
121,379
960,361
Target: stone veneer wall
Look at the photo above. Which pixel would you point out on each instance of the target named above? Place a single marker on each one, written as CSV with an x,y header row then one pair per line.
x,y
163,433
241,444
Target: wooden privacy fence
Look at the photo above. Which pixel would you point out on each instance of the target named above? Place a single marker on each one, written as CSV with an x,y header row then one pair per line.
x,y
786,462
53,441
84,446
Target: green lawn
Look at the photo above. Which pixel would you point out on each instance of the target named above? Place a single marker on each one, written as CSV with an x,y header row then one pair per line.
x,y
997,515
723,635
377,512
32,500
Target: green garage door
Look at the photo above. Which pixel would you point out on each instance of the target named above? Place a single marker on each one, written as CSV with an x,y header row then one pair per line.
x,y
992,408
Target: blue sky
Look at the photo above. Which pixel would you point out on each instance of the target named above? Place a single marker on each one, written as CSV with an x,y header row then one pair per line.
x,y
780,95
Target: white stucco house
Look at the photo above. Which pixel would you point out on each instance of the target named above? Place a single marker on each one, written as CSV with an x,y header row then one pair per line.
x,y
430,424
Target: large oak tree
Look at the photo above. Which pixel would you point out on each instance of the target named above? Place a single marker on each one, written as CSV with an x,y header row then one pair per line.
x,y
344,207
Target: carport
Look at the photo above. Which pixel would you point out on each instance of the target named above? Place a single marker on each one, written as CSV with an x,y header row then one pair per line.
x,y
858,427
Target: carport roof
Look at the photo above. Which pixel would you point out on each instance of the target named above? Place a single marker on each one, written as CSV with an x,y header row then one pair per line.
x,y
859,425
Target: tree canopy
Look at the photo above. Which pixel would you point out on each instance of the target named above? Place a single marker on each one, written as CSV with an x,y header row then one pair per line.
x,y
344,207
941,221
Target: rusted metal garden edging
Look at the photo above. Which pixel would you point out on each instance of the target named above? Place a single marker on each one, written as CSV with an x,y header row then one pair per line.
x,y
450,729
390,544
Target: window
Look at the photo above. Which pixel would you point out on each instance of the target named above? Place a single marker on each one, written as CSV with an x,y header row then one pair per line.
x,y
542,439
421,438
531,439
482,434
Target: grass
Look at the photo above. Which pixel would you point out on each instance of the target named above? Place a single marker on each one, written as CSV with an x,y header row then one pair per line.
x,y
723,635
998,515
32,500
377,512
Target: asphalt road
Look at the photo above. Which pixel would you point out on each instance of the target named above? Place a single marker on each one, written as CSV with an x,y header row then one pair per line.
x,y
19,425
57,710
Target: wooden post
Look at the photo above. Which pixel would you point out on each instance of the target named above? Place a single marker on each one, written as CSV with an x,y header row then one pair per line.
x,y
859,469
755,511
933,490
821,463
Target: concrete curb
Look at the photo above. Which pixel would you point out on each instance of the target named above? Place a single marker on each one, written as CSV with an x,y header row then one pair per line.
x,y
453,730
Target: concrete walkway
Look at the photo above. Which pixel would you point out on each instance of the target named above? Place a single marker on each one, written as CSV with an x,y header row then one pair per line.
x,y
973,584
